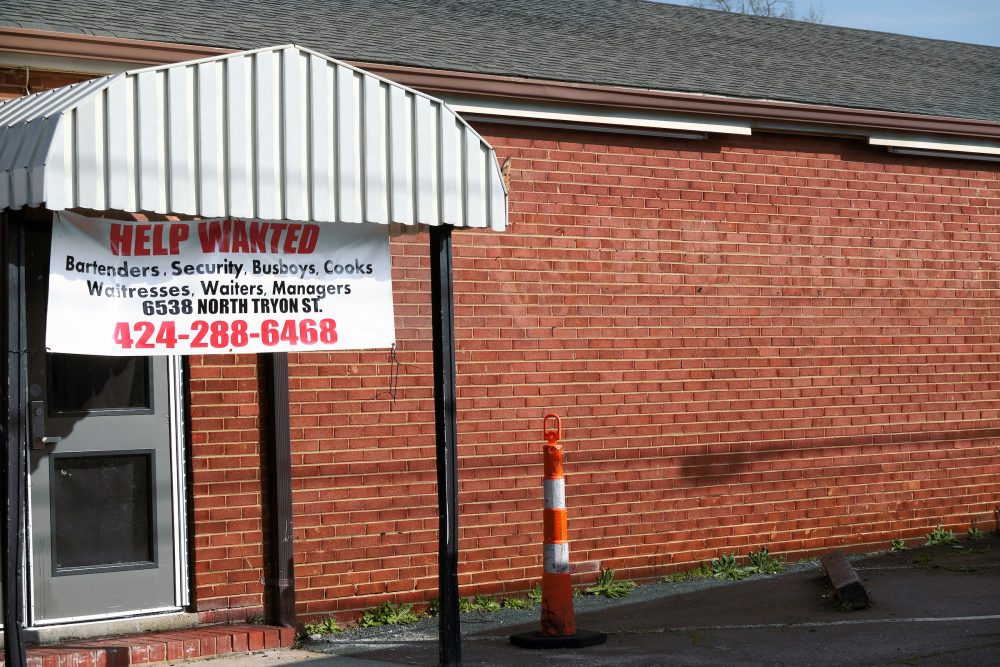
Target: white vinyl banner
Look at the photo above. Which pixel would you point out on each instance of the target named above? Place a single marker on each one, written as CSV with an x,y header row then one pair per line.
x,y
217,286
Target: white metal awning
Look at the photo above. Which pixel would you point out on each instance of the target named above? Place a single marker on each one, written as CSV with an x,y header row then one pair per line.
x,y
275,133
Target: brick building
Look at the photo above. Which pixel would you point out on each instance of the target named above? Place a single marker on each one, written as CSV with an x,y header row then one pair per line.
x,y
751,262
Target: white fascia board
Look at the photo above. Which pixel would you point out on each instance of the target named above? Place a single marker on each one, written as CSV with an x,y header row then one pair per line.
x,y
584,115
936,143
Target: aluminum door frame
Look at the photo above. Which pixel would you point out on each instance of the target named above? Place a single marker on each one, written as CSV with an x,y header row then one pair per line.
x,y
175,409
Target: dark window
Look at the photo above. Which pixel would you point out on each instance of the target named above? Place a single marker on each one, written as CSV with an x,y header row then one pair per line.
x,y
102,512
80,383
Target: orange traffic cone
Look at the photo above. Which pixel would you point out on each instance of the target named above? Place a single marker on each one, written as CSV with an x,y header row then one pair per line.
x,y
558,628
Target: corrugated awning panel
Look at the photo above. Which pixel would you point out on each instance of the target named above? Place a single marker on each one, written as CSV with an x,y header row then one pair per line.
x,y
278,133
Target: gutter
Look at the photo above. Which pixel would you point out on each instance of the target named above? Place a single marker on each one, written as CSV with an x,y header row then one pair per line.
x,y
537,90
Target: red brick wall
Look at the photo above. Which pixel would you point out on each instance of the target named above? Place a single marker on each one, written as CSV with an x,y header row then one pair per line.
x,y
765,341
756,341
226,537
18,81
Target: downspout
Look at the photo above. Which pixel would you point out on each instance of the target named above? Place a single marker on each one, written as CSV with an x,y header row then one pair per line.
x,y
279,583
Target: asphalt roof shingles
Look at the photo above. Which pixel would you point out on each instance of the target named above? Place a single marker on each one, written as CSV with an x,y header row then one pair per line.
x,y
632,43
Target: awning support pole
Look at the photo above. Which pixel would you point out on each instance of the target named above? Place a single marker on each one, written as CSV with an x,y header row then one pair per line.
x,y
446,426
280,579
15,437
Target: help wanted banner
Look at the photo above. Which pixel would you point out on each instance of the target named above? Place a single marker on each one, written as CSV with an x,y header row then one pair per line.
x,y
217,286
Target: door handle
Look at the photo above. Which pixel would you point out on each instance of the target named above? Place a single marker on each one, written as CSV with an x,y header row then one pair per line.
x,y
38,438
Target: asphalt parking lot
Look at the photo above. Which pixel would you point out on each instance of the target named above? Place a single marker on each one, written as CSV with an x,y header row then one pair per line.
x,y
931,606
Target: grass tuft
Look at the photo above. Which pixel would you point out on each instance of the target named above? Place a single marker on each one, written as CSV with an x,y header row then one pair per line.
x,y
939,536
328,626
389,614
608,587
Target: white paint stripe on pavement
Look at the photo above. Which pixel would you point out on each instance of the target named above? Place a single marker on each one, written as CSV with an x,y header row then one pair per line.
x,y
814,624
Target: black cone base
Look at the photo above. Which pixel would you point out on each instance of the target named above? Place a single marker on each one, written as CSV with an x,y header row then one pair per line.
x,y
536,639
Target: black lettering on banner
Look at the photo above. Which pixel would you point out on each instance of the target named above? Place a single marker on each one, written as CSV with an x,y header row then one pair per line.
x,y
233,288
278,306
222,306
280,268
347,269
123,270
167,307
97,288
281,288
228,267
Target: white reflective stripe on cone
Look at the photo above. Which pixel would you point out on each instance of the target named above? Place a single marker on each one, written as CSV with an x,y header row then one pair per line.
x,y
557,558
555,494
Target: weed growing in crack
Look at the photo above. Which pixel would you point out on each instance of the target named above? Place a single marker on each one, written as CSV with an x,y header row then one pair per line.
x,y
762,562
726,567
608,587
703,571
484,603
516,603
939,536
976,534
328,626
389,614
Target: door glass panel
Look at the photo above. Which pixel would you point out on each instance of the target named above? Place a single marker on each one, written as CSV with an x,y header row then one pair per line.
x,y
102,511
80,383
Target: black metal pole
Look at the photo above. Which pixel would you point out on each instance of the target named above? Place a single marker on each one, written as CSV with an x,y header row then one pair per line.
x,y
15,438
280,605
446,427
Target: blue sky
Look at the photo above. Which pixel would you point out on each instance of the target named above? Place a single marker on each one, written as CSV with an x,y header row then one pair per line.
x,y
974,21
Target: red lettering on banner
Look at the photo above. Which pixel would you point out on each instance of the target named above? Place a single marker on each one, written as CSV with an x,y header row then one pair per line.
x,y
291,238
121,239
214,236
258,237
178,235
240,243
278,228
237,236
143,240
310,236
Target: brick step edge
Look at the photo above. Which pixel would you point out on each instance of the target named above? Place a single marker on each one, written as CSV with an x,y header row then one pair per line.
x,y
154,647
